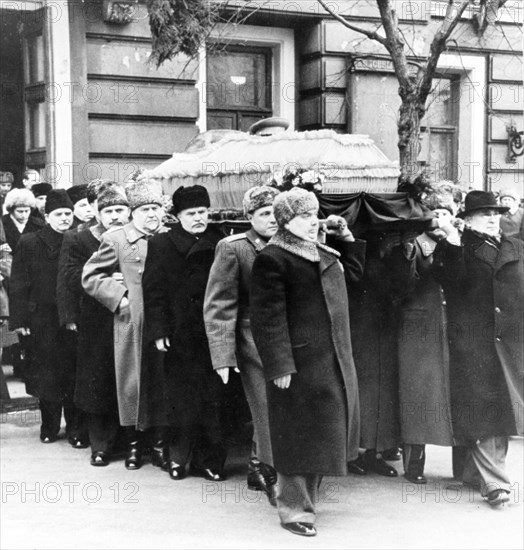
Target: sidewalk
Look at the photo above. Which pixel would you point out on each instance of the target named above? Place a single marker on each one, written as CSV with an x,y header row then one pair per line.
x,y
52,498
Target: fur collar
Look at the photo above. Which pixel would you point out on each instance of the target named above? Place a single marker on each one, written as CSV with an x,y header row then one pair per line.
x,y
299,247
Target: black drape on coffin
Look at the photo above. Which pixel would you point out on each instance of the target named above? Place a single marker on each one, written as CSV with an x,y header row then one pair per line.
x,y
381,212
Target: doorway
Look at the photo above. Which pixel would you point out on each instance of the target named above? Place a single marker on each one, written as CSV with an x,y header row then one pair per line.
x,y
12,135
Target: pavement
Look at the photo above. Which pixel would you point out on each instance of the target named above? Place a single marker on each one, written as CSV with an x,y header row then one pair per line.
x,y
51,497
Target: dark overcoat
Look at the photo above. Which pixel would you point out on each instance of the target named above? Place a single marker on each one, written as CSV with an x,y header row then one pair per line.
x,y
425,414
484,288
300,324
48,374
375,317
175,278
95,388
12,235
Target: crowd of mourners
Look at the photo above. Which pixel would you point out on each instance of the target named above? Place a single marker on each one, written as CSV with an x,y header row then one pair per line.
x,y
149,329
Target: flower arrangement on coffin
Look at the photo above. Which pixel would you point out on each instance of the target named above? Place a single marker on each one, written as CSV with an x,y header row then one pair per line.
x,y
310,180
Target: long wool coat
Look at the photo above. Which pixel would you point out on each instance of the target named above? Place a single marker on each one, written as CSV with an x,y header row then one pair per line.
x,y
484,288
175,279
300,323
124,250
95,389
48,372
425,414
375,318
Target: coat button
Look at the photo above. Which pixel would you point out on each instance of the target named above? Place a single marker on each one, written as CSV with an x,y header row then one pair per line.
x,y
497,310
137,259
498,338
133,247
140,272
444,303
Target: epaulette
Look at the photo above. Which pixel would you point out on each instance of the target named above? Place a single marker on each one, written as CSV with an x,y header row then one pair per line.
x,y
237,237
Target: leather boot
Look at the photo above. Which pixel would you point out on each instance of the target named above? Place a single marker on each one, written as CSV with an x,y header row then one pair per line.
x,y
160,455
134,455
414,461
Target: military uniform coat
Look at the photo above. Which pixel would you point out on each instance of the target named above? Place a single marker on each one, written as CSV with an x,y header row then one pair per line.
x,y
124,250
425,414
95,389
300,324
33,300
226,314
484,288
175,279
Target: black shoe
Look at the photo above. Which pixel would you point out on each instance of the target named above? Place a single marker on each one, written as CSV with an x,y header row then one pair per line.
x,y
262,477
300,528
99,458
48,438
357,467
176,471
206,473
418,479
378,465
78,443
498,497
159,457
134,457
392,454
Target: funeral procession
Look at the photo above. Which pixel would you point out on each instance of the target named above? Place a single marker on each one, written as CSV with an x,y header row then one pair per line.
x,y
261,274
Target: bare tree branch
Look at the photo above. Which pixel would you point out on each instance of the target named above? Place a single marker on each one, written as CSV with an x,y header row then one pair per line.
x,y
438,44
370,34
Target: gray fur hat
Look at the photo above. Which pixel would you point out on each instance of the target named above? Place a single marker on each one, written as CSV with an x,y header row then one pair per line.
x,y
19,198
144,192
290,204
111,195
257,197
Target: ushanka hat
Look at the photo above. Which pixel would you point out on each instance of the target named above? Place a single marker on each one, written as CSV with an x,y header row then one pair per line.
x,y
290,204
478,200
143,192
41,189
257,197
57,198
111,195
509,192
194,196
77,192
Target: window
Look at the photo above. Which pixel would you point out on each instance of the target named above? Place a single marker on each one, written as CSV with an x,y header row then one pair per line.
x,y
439,131
238,87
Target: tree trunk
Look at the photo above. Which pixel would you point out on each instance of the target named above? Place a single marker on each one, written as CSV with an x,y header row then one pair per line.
x,y
411,113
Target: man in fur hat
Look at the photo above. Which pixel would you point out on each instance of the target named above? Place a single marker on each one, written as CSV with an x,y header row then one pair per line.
x,y
482,273
175,278
226,313
113,276
40,191
83,211
95,390
34,313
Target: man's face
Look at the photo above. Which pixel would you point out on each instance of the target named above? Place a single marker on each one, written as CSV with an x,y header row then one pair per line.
x,y
486,220
21,213
263,221
5,187
148,217
31,179
40,203
509,202
60,219
112,216
83,210
194,220
305,226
